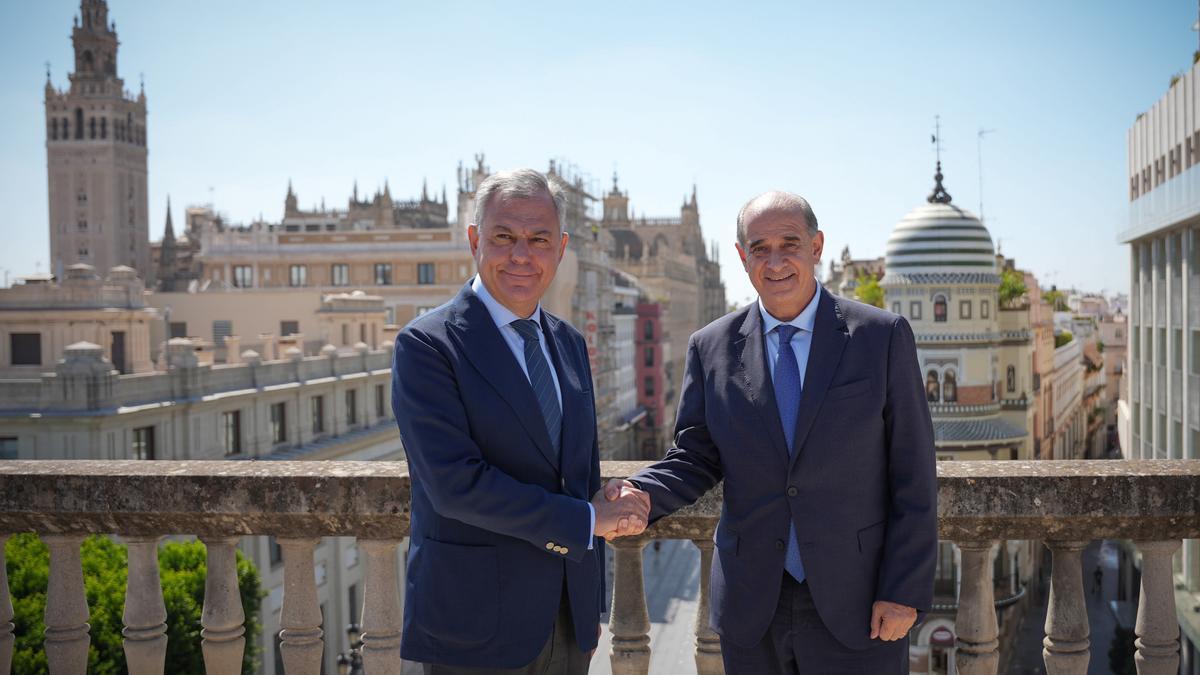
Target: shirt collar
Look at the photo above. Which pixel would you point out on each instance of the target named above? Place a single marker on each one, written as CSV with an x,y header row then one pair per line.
x,y
501,314
805,320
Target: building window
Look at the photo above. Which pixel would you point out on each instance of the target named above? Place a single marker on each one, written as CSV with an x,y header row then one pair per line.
x,y
243,276
276,551
351,407
339,274
143,443
178,329
1011,379
950,387
231,432
648,386
423,310
985,309
289,328
380,401
383,274
649,356
425,273
103,127
896,307
352,603
54,129
92,128
79,124
964,309
25,348
939,309
914,310
221,329
278,423
8,447
298,275
316,410
648,330
933,388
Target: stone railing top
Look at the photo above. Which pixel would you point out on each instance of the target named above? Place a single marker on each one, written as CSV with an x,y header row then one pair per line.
x,y
983,500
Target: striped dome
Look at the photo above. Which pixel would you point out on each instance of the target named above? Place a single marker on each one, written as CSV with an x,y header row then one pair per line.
x,y
940,238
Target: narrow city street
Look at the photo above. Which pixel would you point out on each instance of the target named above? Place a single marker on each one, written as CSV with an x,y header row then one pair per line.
x,y
1102,621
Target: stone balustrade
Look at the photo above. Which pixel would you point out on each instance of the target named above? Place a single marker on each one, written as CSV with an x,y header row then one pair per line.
x,y
1066,504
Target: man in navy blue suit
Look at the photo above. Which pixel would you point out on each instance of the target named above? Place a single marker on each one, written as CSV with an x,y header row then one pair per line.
x,y
493,397
811,408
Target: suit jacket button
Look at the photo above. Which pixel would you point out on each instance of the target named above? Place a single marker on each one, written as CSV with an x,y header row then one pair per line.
x,y
779,545
792,491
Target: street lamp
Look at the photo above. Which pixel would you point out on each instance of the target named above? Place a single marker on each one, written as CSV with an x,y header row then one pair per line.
x,y
350,662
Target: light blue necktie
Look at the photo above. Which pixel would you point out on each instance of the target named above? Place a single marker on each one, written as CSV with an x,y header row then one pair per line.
x,y
541,379
787,397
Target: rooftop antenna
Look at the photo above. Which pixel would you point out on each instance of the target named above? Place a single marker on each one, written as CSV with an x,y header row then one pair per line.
x,y
939,194
979,152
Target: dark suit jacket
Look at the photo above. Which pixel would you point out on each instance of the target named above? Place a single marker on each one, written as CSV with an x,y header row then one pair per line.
x,y
860,487
490,503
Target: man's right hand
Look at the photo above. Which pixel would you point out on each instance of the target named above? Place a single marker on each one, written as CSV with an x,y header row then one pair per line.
x,y
621,509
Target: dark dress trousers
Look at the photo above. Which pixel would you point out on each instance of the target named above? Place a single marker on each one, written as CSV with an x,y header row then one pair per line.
x,y
500,525
860,486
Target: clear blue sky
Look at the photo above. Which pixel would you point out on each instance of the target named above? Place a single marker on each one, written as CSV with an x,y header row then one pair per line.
x,y
832,100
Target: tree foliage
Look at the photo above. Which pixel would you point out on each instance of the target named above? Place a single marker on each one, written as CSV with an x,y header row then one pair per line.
x,y
867,290
1012,286
182,570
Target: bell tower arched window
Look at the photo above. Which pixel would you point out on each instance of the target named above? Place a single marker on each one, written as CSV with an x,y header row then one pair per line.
x,y
79,123
1011,379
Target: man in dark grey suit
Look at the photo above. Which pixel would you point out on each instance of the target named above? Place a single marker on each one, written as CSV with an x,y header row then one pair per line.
x,y
812,410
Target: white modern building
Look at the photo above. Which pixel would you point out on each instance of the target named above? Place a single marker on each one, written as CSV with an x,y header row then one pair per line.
x,y
1161,417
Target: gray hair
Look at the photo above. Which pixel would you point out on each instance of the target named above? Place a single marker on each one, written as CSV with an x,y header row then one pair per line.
x,y
518,184
776,200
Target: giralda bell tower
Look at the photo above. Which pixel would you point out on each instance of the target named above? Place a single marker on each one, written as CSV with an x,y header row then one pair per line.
x,y
96,157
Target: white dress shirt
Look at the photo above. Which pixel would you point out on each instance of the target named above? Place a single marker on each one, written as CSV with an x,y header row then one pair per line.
x,y
801,341
503,318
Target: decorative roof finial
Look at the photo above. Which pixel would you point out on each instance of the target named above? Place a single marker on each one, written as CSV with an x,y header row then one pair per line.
x,y
939,194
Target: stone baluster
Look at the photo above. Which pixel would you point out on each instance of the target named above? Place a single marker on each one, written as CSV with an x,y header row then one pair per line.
x,y
708,643
381,607
67,636
1066,645
222,617
145,616
976,620
1157,627
629,622
6,614
301,616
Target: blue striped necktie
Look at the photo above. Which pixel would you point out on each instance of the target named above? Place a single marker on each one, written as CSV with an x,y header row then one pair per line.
x,y
541,379
787,397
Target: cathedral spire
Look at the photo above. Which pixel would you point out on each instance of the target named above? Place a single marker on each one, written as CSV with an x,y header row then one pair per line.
x,y
169,228
939,194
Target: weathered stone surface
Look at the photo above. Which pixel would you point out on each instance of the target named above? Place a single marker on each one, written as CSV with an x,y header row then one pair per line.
x,y
1062,500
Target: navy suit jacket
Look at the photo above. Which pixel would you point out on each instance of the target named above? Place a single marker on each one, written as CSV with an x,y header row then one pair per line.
x,y
491,507
860,487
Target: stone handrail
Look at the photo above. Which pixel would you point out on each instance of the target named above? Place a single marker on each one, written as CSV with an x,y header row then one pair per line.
x,y
1063,503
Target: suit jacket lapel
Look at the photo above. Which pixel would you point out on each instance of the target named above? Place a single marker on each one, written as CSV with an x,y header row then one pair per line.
x,y
825,352
486,349
756,377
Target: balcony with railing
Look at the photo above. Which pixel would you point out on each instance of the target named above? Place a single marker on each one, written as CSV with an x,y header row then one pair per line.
x,y
1065,504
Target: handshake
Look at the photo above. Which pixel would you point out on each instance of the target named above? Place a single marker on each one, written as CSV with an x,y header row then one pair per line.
x,y
621,509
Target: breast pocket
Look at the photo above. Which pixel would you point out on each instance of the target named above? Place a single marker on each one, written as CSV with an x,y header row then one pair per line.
x,y
849,389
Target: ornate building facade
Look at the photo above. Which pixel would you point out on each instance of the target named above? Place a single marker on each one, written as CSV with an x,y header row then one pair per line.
x,y
976,358
96,156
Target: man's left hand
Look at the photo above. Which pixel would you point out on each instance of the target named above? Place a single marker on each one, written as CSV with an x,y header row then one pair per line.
x,y
890,621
